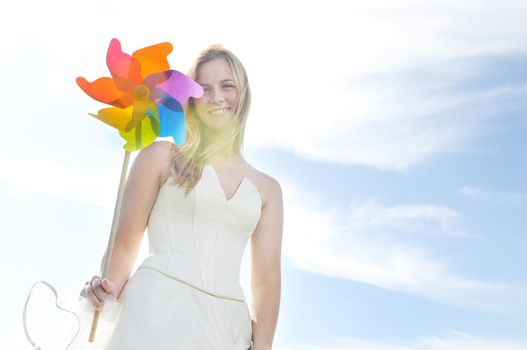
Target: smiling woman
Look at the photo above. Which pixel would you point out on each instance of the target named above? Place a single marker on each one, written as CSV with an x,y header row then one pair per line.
x,y
202,202
217,119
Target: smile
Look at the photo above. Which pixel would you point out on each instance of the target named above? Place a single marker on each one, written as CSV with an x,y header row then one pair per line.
x,y
219,111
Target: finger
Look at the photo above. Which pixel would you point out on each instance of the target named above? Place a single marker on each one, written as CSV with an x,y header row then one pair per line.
x,y
83,290
95,278
97,291
93,298
109,287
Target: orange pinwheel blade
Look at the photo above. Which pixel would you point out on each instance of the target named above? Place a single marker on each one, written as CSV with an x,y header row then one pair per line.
x,y
153,59
104,90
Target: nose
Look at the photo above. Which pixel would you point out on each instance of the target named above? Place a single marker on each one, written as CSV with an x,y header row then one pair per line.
x,y
217,96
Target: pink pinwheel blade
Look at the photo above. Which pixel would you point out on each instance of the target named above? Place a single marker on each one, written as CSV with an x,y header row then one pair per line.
x,y
126,70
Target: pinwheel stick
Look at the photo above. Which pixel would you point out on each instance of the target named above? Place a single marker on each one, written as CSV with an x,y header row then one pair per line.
x,y
109,249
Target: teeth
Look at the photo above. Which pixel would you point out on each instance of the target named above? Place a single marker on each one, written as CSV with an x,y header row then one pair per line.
x,y
220,111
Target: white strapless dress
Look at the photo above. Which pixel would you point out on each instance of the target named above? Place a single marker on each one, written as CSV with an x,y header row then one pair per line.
x,y
186,294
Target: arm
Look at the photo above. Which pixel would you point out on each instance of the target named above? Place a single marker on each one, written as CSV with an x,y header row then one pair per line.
x,y
140,192
266,244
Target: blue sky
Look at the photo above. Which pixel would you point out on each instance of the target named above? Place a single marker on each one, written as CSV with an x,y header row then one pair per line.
x,y
397,131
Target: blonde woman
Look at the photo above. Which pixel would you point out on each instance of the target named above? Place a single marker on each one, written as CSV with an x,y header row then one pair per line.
x,y
202,203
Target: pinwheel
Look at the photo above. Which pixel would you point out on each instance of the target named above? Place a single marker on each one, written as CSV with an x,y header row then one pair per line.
x,y
146,98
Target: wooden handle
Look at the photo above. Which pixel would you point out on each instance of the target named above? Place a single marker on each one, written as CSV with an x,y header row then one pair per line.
x,y
94,322
109,248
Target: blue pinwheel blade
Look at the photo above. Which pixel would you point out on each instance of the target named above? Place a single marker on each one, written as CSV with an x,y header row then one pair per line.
x,y
172,119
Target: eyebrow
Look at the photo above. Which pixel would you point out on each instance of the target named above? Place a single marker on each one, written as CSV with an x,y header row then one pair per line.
x,y
222,81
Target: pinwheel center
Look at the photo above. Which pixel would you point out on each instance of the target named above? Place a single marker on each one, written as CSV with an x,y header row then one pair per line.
x,y
141,92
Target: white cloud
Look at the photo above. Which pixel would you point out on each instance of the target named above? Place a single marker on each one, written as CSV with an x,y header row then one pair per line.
x,y
453,340
496,196
17,194
39,172
406,218
371,247
462,341
384,89
473,191
374,83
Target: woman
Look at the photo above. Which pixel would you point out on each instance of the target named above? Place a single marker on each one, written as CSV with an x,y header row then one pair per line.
x,y
201,202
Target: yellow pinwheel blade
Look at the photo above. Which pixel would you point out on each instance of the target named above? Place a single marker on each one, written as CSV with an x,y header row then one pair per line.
x,y
119,118
143,134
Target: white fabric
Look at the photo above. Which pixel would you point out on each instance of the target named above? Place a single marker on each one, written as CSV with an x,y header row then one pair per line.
x,y
186,294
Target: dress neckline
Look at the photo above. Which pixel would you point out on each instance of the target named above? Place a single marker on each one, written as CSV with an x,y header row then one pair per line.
x,y
245,181
238,188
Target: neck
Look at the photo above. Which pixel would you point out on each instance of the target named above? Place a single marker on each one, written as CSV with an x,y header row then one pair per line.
x,y
222,158
224,151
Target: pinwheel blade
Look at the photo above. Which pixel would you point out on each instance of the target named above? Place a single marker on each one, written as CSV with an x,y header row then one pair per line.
x,y
177,85
142,135
104,90
172,120
119,118
125,70
153,59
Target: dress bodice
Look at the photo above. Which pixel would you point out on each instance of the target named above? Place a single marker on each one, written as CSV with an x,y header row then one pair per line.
x,y
200,239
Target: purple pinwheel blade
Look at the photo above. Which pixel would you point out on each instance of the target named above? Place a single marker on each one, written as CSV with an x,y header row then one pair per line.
x,y
176,84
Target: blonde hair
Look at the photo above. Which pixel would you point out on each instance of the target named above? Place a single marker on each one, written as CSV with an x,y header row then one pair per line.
x,y
188,160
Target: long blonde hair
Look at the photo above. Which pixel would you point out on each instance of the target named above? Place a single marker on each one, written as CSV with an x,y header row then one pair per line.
x,y
188,160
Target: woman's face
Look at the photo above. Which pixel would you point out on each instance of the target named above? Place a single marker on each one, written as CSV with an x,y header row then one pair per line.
x,y
220,94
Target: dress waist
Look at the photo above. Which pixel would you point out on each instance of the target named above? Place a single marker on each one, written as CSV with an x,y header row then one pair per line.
x,y
191,285
186,269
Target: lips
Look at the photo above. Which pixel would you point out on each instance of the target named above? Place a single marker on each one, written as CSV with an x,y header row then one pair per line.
x,y
219,111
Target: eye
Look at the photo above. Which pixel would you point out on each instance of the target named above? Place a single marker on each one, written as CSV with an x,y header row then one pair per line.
x,y
227,86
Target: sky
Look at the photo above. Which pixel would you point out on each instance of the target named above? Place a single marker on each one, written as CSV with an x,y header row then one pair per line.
x,y
397,131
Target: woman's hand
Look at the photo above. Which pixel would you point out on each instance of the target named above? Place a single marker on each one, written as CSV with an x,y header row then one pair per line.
x,y
96,290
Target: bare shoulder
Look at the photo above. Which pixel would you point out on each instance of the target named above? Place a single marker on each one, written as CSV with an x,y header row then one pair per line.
x,y
157,156
267,185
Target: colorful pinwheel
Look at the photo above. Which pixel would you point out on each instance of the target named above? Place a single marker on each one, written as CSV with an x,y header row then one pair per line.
x,y
146,96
